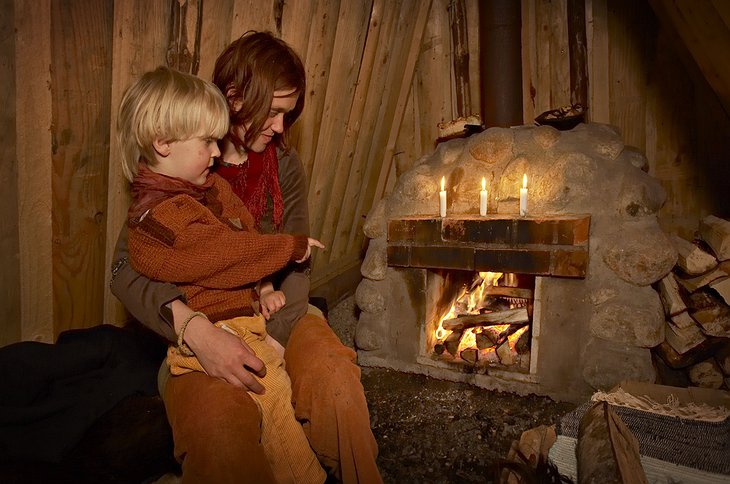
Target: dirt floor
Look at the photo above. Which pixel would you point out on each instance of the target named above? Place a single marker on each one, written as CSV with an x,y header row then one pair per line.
x,y
434,431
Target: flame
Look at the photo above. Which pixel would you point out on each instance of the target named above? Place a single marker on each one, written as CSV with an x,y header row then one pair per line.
x,y
471,299
484,183
443,180
524,181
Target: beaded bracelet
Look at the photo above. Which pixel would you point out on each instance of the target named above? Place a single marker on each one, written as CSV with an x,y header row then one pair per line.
x,y
184,348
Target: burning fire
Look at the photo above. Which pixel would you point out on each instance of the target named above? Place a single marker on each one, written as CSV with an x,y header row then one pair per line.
x,y
474,300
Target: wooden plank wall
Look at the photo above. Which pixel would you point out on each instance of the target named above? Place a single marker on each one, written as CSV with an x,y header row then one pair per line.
x,y
642,80
380,80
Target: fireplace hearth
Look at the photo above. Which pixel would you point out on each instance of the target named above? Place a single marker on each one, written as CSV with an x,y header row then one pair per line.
x,y
589,243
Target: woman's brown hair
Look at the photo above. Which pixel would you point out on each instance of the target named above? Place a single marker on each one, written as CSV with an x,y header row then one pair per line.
x,y
250,70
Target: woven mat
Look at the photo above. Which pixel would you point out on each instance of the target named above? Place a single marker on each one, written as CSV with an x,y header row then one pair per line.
x,y
691,443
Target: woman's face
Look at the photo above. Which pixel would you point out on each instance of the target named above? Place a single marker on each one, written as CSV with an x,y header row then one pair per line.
x,y
283,102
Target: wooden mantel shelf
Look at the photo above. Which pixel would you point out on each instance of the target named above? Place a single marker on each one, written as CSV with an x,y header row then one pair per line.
x,y
547,246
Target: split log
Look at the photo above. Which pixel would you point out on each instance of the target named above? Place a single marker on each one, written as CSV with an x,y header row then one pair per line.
x,y
694,283
683,320
723,358
506,354
715,232
506,291
470,355
522,345
671,297
451,343
722,287
607,451
706,374
700,353
711,313
510,316
505,334
487,338
691,258
532,450
489,355
683,339
523,360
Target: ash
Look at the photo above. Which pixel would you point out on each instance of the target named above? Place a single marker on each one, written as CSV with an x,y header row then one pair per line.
x,y
435,431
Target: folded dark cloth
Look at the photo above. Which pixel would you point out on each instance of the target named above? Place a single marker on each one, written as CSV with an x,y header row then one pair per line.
x,y
50,394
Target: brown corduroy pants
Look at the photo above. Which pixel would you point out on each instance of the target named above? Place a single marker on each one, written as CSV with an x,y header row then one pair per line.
x,y
217,427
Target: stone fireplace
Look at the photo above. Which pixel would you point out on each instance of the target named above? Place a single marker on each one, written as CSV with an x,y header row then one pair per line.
x,y
578,265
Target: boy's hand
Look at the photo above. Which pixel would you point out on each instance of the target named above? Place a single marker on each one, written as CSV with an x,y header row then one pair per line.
x,y
312,243
271,301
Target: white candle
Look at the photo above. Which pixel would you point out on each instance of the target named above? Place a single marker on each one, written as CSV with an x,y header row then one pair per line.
x,y
442,199
523,196
483,198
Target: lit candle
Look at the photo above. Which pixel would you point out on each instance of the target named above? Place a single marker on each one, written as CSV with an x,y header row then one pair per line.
x,y
483,198
523,196
442,199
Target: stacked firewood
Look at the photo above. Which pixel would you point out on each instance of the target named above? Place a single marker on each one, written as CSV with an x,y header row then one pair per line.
x,y
696,298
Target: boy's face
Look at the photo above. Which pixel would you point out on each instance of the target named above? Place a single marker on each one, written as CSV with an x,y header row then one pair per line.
x,y
187,159
283,102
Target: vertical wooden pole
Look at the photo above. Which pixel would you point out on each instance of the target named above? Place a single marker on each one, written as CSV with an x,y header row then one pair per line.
x,y
10,272
460,46
140,42
33,45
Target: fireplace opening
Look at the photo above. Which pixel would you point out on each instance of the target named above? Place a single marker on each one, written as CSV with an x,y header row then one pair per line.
x,y
479,322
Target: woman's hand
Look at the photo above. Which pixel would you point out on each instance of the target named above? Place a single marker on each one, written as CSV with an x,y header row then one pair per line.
x,y
224,355
312,243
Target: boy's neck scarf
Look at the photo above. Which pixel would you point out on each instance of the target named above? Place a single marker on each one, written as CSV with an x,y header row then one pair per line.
x,y
150,188
254,181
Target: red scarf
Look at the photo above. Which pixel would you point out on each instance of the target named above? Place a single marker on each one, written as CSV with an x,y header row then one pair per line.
x,y
150,188
254,181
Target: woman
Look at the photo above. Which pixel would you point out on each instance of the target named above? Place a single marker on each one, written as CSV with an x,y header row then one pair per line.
x,y
216,426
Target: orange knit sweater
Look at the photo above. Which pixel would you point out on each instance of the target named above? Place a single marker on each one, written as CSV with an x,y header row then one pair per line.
x,y
210,250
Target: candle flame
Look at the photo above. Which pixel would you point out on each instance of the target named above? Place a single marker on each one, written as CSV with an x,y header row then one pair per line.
x,y
484,183
442,183
524,180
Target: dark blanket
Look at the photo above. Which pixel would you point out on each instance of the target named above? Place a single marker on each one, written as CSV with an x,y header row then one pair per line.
x,y
50,394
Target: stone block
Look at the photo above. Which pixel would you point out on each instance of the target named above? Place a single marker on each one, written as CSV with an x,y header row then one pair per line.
x,y
606,364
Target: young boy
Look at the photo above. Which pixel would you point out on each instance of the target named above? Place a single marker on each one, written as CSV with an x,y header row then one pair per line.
x,y
187,227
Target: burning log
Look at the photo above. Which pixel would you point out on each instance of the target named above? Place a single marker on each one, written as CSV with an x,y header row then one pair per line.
x,y
489,355
470,355
508,292
451,343
487,338
522,345
510,316
506,354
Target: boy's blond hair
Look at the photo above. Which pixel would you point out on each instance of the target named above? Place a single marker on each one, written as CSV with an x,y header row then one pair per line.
x,y
168,105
